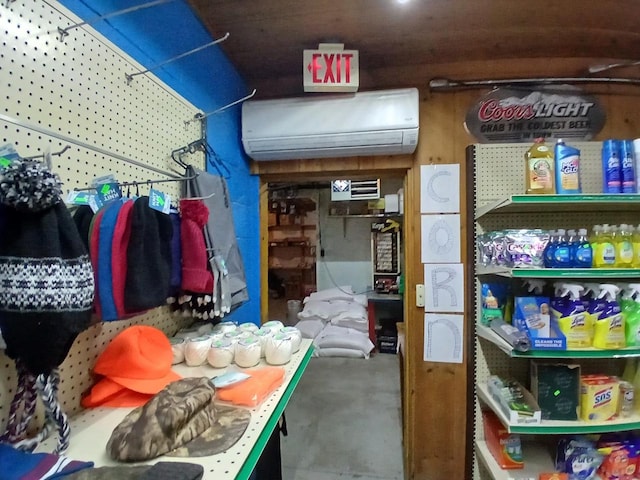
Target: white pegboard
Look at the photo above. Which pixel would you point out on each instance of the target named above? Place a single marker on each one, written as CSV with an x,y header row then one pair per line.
x,y
499,171
74,93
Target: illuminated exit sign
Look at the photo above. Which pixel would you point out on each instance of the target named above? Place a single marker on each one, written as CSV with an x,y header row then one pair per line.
x,y
330,69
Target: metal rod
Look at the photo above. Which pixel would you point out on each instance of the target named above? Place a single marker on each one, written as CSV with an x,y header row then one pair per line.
x,y
144,182
130,76
63,32
53,154
199,116
609,66
102,151
8,2
446,84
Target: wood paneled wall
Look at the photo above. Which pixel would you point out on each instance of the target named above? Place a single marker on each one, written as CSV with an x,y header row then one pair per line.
x,y
438,398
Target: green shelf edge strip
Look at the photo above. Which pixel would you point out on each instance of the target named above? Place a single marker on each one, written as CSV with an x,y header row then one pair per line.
x,y
577,353
252,460
578,429
591,198
576,273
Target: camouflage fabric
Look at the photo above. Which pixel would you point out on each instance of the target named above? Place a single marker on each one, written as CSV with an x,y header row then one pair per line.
x,y
179,413
230,425
159,471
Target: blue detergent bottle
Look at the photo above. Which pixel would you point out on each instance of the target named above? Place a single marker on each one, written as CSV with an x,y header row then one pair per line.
x,y
567,168
549,250
583,253
562,253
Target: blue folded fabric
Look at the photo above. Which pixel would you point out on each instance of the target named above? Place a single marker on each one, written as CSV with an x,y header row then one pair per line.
x,y
17,465
105,277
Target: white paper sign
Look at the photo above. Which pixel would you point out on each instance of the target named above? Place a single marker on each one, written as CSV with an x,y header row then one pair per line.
x,y
444,287
440,238
440,188
443,338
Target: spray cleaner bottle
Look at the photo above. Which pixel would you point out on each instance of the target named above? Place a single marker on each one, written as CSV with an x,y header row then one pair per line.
x,y
571,317
632,316
609,330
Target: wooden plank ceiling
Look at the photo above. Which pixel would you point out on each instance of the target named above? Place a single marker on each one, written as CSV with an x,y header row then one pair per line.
x,y
407,44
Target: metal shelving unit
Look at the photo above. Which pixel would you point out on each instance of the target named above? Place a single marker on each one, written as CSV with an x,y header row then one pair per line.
x,y
499,205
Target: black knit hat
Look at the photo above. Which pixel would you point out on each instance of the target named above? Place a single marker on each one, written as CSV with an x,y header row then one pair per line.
x,y
46,280
148,258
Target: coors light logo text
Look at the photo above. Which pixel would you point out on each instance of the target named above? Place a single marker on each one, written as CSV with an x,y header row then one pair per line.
x,y
491,110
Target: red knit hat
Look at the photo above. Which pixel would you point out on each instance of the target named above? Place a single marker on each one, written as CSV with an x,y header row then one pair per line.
x,y
121,235
196,276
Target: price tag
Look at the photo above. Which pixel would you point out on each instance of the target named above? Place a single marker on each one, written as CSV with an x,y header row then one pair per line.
x,y
160,201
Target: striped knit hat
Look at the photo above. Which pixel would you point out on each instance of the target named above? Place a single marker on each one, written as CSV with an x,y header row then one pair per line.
x,y
46,290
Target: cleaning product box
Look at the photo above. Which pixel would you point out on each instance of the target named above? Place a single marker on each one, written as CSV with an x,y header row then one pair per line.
x,y
556,388
598,397
532,315
516,402
504,446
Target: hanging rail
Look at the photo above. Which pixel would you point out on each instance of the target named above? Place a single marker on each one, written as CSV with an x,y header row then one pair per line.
x,y
144,182
129,76
8,2
200,116
63,32
447,84
609,66
79,143
44,155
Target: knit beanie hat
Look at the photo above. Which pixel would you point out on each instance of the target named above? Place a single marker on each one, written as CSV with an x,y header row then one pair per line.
x,y
46,288
119,246
82,217
105,275
196,276
176,255
148,258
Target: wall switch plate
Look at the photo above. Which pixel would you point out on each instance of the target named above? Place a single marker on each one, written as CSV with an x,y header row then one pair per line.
x,y
419,295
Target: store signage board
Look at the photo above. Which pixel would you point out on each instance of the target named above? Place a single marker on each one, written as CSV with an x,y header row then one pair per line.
x,y
330,68
509,115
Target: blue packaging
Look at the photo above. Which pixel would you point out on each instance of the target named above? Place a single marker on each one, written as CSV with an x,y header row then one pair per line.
x,y
611,167
567,168
627,161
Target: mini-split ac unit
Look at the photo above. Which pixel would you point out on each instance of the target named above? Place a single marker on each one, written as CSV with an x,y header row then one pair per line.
x,y
365,123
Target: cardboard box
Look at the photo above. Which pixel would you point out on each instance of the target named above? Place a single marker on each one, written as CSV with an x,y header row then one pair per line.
x,y
387,344
505,447
528,412
598,398
556,388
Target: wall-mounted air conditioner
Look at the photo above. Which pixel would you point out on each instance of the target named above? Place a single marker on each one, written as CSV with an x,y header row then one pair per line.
x,y
365,123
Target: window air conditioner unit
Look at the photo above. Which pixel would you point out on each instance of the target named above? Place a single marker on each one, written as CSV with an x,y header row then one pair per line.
x,y
365,123
355,190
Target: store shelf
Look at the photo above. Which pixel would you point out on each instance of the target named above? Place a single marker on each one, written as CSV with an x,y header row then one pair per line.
x,y
558,427
292,226
91,429
562,203
559,272
537,459
488,334
368,215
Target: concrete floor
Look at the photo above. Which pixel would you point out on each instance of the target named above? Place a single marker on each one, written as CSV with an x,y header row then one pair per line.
x,y
344,421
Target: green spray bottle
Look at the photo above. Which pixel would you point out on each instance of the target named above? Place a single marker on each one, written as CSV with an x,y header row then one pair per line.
x,y
632,315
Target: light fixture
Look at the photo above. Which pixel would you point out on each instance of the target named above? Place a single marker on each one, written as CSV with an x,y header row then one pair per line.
x,y
447,84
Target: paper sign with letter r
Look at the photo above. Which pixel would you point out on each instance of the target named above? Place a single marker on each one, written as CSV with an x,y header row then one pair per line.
x,y
444,287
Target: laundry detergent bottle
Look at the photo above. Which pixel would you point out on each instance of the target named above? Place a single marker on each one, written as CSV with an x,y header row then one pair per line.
x,y
567,168
609,329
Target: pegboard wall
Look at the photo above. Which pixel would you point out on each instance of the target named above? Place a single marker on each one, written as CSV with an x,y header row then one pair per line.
x,y
73,93
499,171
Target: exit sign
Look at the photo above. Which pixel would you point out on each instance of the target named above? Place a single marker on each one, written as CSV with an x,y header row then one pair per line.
x,y
330,69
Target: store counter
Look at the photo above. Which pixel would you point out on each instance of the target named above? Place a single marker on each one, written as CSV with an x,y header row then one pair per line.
x,y
91,428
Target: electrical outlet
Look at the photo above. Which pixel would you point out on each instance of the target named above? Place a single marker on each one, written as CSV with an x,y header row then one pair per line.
x,y
419,295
